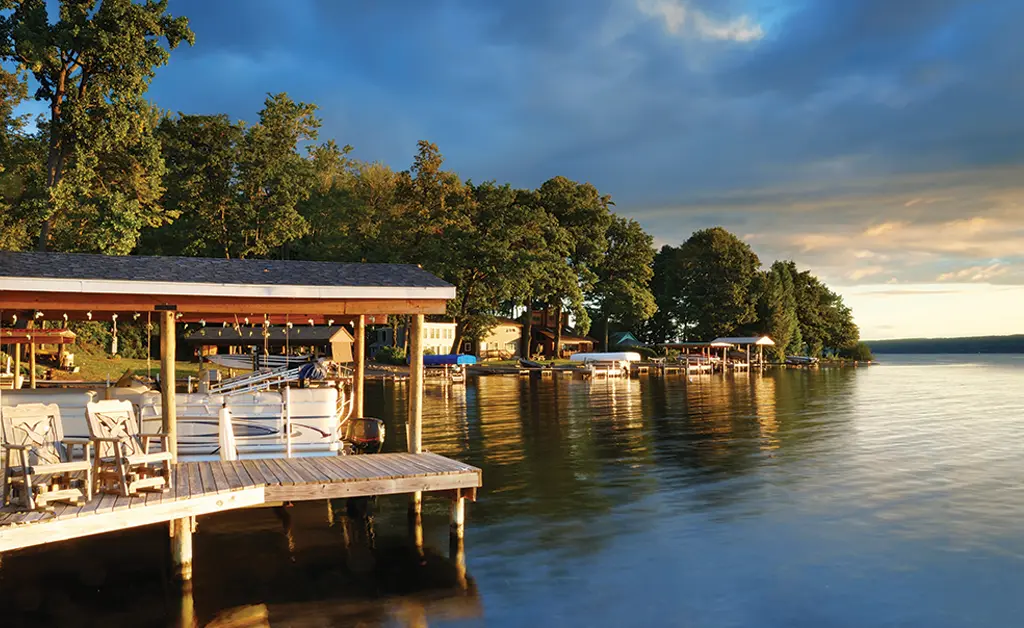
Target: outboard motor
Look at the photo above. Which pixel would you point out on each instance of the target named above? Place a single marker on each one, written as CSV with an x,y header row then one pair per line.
x,y
364,435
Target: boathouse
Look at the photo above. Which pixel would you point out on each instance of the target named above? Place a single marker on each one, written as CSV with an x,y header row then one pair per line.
x,y
171,291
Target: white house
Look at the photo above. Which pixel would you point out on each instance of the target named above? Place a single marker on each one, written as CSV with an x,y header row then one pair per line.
x,y
437,338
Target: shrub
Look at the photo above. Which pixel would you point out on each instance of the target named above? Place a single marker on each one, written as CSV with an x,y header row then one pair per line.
x,y
390,355
860,352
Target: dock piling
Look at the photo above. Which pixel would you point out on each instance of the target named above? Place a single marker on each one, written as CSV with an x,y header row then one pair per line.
x,y
416,401
181,549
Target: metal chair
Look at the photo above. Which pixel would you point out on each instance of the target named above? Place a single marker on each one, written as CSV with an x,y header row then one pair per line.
x,y
39,460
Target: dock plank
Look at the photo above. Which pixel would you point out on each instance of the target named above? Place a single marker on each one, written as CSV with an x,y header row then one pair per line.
x,y
220,477
179,475
207,477
195,484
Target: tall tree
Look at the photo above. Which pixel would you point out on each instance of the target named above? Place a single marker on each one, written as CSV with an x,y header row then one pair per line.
x,y
273,178
584,214
715,273
201,154
20,156
622,290
92,65
777,310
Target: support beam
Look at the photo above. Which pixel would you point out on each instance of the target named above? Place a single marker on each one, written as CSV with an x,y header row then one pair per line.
x,y
17,367
458,527
167,381
181,549
32,365
416,400
359,365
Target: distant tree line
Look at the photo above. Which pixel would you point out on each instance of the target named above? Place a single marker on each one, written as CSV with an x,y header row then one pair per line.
x,y
104,171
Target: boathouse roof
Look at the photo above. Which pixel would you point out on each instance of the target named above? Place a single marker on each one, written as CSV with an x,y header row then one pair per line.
x,y
72,282
748,340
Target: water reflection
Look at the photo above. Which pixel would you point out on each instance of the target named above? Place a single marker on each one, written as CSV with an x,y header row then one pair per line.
x,y
881,496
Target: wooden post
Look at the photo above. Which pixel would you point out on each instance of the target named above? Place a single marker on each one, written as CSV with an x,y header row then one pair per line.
x,y
32,364
359,365
458,527
287,421
167,379
181,549
416,400
181,529
17,367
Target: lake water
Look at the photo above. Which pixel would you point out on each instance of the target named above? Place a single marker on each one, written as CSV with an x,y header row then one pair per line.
x,y
881,496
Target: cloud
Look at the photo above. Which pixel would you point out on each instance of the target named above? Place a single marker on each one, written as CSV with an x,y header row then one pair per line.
x,y
976,273
970,231
678,14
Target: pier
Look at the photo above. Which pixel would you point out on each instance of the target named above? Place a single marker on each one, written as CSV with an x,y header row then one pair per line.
x,y
203,488
248,294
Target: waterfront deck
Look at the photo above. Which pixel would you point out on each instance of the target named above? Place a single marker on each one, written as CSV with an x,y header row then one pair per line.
x,y
201,488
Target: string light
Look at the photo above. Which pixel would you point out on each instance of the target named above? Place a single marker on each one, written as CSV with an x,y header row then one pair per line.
x,y
330,322
38,314
202,323
89,314
136,316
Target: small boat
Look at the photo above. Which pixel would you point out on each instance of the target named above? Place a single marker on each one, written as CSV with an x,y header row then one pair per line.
x,y
801,360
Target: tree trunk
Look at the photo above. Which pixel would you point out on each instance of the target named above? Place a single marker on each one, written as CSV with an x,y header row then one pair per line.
x,y
605,345
458,338
558,331
525,340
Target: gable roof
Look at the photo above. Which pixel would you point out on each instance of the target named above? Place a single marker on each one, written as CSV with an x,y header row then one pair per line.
x,y
298,335
76,272
748,340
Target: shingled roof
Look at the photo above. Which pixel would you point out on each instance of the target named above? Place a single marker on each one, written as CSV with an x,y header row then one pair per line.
x,y
213,271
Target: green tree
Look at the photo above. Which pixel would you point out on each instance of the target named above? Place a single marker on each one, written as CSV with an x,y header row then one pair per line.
x,y
777,310
622,290
20,156
713,284
201,154
273,178
584,214
92,65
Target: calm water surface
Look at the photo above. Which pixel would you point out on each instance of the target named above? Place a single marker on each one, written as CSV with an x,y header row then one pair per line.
x,y
882,496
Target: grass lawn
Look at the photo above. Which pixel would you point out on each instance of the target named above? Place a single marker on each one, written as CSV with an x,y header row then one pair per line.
x,y
95,366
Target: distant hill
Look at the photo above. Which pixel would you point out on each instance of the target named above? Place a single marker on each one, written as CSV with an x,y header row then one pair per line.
x,y
976,344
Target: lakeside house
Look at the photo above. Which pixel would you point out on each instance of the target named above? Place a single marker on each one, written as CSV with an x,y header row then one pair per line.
x,y
335,340
437,338
502,342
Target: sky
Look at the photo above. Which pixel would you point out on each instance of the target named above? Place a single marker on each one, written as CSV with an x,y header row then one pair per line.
x,y
878,143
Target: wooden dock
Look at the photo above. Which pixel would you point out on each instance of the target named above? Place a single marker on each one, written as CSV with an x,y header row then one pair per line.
x,y
202,488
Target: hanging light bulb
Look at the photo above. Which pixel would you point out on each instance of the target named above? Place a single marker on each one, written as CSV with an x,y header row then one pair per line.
x,y
289,324
136,316
179,315
202,323
311,322
14,318
330,322
65,318
246,319
89,315
38,314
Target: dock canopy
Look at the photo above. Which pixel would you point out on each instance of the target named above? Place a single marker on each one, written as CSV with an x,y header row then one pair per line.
x,y
717,344
761,341
214,290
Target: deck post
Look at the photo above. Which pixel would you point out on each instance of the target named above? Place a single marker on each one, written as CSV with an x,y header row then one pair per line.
x,y
32,364
458,527
167,380
416,400
358,365
17,368
181,549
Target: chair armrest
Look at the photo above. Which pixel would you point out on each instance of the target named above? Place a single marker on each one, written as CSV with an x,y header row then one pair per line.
x,y
143,435
77,440
105,439
17,447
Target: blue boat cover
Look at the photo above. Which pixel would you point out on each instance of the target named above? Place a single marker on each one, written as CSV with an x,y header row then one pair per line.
x,y
454,358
